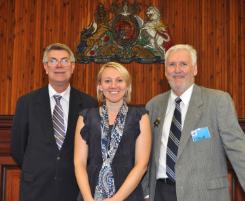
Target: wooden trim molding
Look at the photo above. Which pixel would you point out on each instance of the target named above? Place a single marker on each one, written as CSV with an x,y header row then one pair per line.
x,y
5,129
9,171
10,179
242,124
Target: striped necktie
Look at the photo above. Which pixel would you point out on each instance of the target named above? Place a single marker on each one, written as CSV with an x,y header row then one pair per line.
x,y
173,141
58,122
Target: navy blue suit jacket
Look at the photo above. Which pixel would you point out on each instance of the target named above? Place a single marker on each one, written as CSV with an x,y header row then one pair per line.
x,y
47,173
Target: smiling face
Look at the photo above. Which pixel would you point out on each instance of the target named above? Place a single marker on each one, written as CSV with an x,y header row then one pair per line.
x,y
113,85
59,69
180,71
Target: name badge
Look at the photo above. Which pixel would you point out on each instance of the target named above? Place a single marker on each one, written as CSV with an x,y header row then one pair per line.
x,y
200,134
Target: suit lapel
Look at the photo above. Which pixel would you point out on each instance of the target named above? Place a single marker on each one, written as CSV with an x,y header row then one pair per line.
x,y
74,105
161,108
192,117
43,112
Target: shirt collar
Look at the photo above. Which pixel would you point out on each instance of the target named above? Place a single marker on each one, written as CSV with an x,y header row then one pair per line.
x,y
185,97
65,94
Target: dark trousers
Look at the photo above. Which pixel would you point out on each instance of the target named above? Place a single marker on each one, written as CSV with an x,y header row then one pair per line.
x,y
165,191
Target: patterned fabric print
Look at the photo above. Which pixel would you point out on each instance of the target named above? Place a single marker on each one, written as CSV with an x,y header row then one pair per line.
x,y
173,141
105,187
58,122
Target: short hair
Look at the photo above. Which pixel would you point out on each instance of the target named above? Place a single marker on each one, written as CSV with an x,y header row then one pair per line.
x,y
58,46
186,47
124,73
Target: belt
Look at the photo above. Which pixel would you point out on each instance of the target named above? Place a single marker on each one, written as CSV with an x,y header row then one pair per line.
x,y
166,181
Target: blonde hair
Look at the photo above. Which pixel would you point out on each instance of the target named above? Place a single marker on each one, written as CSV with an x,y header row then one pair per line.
x,y
58,46
124,73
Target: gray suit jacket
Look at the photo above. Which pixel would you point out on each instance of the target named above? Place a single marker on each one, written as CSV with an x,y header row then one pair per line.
x,y
201,169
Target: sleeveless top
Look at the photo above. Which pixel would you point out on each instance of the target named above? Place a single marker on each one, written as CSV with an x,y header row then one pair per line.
x,y
124,158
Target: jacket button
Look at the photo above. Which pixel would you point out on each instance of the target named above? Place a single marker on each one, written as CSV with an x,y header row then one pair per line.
x,y
58,158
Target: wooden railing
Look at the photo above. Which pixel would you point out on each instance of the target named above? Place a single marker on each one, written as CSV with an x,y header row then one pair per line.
x,y
10,172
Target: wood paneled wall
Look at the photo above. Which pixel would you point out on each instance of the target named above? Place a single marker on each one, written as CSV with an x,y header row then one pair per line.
x,y
215,28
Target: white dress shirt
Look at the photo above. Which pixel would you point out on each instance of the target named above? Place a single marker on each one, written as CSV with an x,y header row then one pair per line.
x,y
64,101
185,97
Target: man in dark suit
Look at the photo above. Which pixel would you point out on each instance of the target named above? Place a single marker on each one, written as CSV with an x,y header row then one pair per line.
x,y
46,159
192,166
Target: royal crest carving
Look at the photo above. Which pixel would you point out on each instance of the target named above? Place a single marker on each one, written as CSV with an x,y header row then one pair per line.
x,y
125,37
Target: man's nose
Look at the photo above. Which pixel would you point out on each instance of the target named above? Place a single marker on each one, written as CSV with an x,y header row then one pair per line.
x,y
59,64
178,68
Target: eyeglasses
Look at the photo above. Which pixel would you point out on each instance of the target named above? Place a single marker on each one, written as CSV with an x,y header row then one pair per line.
x,y
54,62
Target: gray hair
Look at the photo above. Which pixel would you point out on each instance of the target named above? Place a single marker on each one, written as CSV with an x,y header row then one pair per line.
x,y
186,47
58,46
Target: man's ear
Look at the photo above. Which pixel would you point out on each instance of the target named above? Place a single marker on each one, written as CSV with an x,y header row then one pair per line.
x,y
45,66
195,70
72,67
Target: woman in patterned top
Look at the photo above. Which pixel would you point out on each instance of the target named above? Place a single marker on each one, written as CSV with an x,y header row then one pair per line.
x,y
112,142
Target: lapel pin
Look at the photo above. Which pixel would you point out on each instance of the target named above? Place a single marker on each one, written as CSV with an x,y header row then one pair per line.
x,y
156,122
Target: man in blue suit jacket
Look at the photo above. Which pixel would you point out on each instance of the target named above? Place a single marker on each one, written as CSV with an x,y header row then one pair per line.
x,y
48,171
209,132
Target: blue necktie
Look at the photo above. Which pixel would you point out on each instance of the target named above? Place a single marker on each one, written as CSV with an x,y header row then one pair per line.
x,y
58,122
173,141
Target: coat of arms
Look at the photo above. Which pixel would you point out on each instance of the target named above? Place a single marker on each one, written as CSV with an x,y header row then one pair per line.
x,y
125,37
